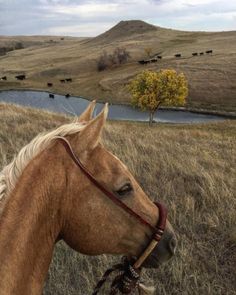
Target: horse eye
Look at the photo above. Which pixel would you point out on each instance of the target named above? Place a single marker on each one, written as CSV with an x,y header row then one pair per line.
x,y
125,189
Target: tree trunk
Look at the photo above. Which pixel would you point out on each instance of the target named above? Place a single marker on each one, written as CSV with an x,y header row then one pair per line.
x,y
151,114
151,118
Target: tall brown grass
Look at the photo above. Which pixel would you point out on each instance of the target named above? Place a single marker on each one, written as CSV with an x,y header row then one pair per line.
x,y
191,168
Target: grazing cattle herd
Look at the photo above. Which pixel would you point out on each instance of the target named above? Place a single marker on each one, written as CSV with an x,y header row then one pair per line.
x,y
66,80
20,77
51,95
142,62
177,55
209,51
49,84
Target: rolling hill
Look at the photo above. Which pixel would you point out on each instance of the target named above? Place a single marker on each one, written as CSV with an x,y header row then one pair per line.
x,y
211,77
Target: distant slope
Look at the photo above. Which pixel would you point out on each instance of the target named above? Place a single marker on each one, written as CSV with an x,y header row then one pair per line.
x,y
19,42
28,41
211,77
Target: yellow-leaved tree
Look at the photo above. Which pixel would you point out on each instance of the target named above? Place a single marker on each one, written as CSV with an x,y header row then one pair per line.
x,y
151,89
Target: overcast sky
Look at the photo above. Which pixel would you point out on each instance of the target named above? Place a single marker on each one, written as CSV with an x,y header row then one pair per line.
x,y
90,18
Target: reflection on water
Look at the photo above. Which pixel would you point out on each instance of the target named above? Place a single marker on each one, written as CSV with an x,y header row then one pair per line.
x,y
76,105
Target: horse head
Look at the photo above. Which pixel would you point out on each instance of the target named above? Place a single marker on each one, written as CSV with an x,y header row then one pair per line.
x,y
91,223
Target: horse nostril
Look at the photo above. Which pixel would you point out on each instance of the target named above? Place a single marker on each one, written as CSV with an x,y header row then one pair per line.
x,y
172,245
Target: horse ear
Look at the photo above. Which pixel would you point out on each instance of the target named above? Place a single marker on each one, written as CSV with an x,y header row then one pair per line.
x,y
88,113
91,133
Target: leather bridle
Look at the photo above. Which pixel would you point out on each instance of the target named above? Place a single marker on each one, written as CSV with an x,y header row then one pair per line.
x,y
157,230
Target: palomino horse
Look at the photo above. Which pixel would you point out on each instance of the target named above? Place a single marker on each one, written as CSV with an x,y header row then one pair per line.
x,y
45,198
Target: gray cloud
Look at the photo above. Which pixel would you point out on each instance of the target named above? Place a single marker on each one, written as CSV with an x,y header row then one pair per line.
x,y
89,18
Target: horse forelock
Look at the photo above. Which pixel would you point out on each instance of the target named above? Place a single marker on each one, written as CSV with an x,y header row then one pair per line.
x,y
11,173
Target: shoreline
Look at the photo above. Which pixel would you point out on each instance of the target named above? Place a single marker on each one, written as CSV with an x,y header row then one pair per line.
x,y
225,114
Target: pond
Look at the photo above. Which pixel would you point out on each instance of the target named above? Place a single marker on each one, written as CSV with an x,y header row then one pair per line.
x,y
76,105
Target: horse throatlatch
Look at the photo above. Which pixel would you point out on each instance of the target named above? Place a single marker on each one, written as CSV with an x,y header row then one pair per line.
x,y
128,271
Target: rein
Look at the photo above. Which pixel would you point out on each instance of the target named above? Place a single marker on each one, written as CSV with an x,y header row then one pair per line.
x,y
129,275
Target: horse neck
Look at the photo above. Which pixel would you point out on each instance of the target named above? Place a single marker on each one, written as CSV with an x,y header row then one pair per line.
x,y
29,228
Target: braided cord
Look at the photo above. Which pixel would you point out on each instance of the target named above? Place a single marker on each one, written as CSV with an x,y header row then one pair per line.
x,y
126,280
104,278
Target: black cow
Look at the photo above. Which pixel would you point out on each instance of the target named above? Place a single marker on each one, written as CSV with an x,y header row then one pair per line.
x,y
68,80
50,84
67,95
20,77
4,78
62,80
178,55
159,57
141,62
51,95
209,51
194,54
201,53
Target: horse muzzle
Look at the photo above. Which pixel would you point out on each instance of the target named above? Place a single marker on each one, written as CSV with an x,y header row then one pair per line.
x,y
165,250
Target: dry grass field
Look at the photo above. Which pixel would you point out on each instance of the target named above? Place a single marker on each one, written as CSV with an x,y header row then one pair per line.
x,y
49,59
191,168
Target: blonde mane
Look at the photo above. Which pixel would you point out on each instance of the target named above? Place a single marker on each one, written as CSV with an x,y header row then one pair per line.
x,y
11,173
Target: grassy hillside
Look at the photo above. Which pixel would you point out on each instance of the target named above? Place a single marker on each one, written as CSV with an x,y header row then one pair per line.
x,y
31,41
191,168
211,77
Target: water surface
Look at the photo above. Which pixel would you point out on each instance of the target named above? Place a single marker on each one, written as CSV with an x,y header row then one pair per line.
x,y
76,105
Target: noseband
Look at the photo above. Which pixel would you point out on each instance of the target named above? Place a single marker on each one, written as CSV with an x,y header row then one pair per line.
x,y
157,231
